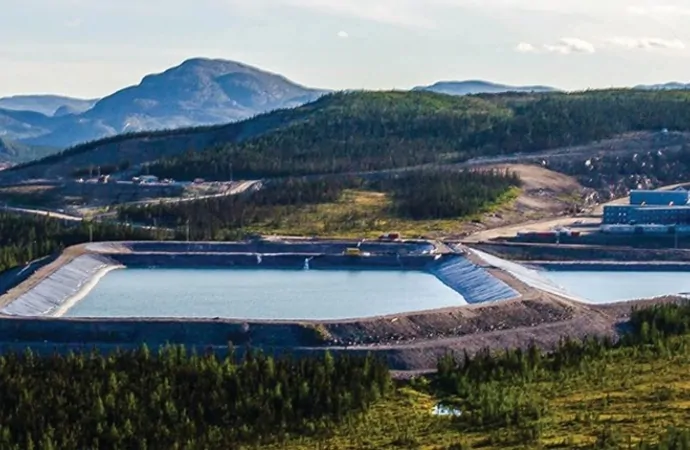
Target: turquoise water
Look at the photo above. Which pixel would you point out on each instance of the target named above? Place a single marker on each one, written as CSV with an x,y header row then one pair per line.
x,y
263,294
609,287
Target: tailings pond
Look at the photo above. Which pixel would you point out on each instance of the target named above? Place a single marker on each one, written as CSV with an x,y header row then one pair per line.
x,y
617,286
263,294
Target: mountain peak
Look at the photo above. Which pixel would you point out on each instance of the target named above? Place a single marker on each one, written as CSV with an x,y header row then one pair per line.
x,y
206,68
213,64
198,91
200,61
213,67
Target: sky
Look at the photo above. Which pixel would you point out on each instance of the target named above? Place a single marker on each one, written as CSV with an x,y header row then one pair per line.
x,y
91,48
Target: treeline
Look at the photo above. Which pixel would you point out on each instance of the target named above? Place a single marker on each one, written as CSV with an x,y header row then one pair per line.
x,y
659,322
434,194
368,131
138,400
418,195
24,238
648,326
489,386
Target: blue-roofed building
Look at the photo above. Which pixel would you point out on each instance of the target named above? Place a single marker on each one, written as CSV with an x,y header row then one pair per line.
x,y
658,198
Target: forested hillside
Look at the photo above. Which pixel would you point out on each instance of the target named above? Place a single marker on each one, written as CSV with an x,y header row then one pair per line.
x,y
382,130
362,131
348,132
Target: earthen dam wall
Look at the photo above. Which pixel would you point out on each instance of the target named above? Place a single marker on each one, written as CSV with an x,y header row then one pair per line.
x,y
33,318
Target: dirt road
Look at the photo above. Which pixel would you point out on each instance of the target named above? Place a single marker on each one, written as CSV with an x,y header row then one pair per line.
x,y
240,187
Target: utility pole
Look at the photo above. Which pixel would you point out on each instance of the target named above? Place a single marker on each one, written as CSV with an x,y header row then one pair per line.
x,y
90,231
187,231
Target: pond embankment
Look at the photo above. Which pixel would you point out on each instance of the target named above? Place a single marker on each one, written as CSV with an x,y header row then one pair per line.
x,y
505,309
56,293
65,286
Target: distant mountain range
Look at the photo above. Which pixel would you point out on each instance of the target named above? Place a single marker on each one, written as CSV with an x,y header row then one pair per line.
x,y
48,105
471,87
673,86
197,92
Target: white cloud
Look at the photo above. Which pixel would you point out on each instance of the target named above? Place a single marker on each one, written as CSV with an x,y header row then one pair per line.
x,y
646,43
566,46
525,47
343,34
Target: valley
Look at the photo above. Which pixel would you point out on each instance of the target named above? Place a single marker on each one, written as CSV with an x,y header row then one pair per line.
x,y
376,199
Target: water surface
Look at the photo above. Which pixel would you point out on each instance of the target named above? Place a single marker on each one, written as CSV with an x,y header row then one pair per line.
x,y
615,286
263,294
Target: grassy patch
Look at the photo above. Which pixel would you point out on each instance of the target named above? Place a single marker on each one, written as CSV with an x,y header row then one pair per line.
x,y
360,213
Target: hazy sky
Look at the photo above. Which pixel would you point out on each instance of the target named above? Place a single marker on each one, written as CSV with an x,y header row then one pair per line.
x,y
91,48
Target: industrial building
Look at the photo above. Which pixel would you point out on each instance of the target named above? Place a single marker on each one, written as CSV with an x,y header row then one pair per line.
x,y
660,198
639,215
651,207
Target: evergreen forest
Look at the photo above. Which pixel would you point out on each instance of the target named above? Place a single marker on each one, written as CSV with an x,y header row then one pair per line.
x,y
368,131
591,394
